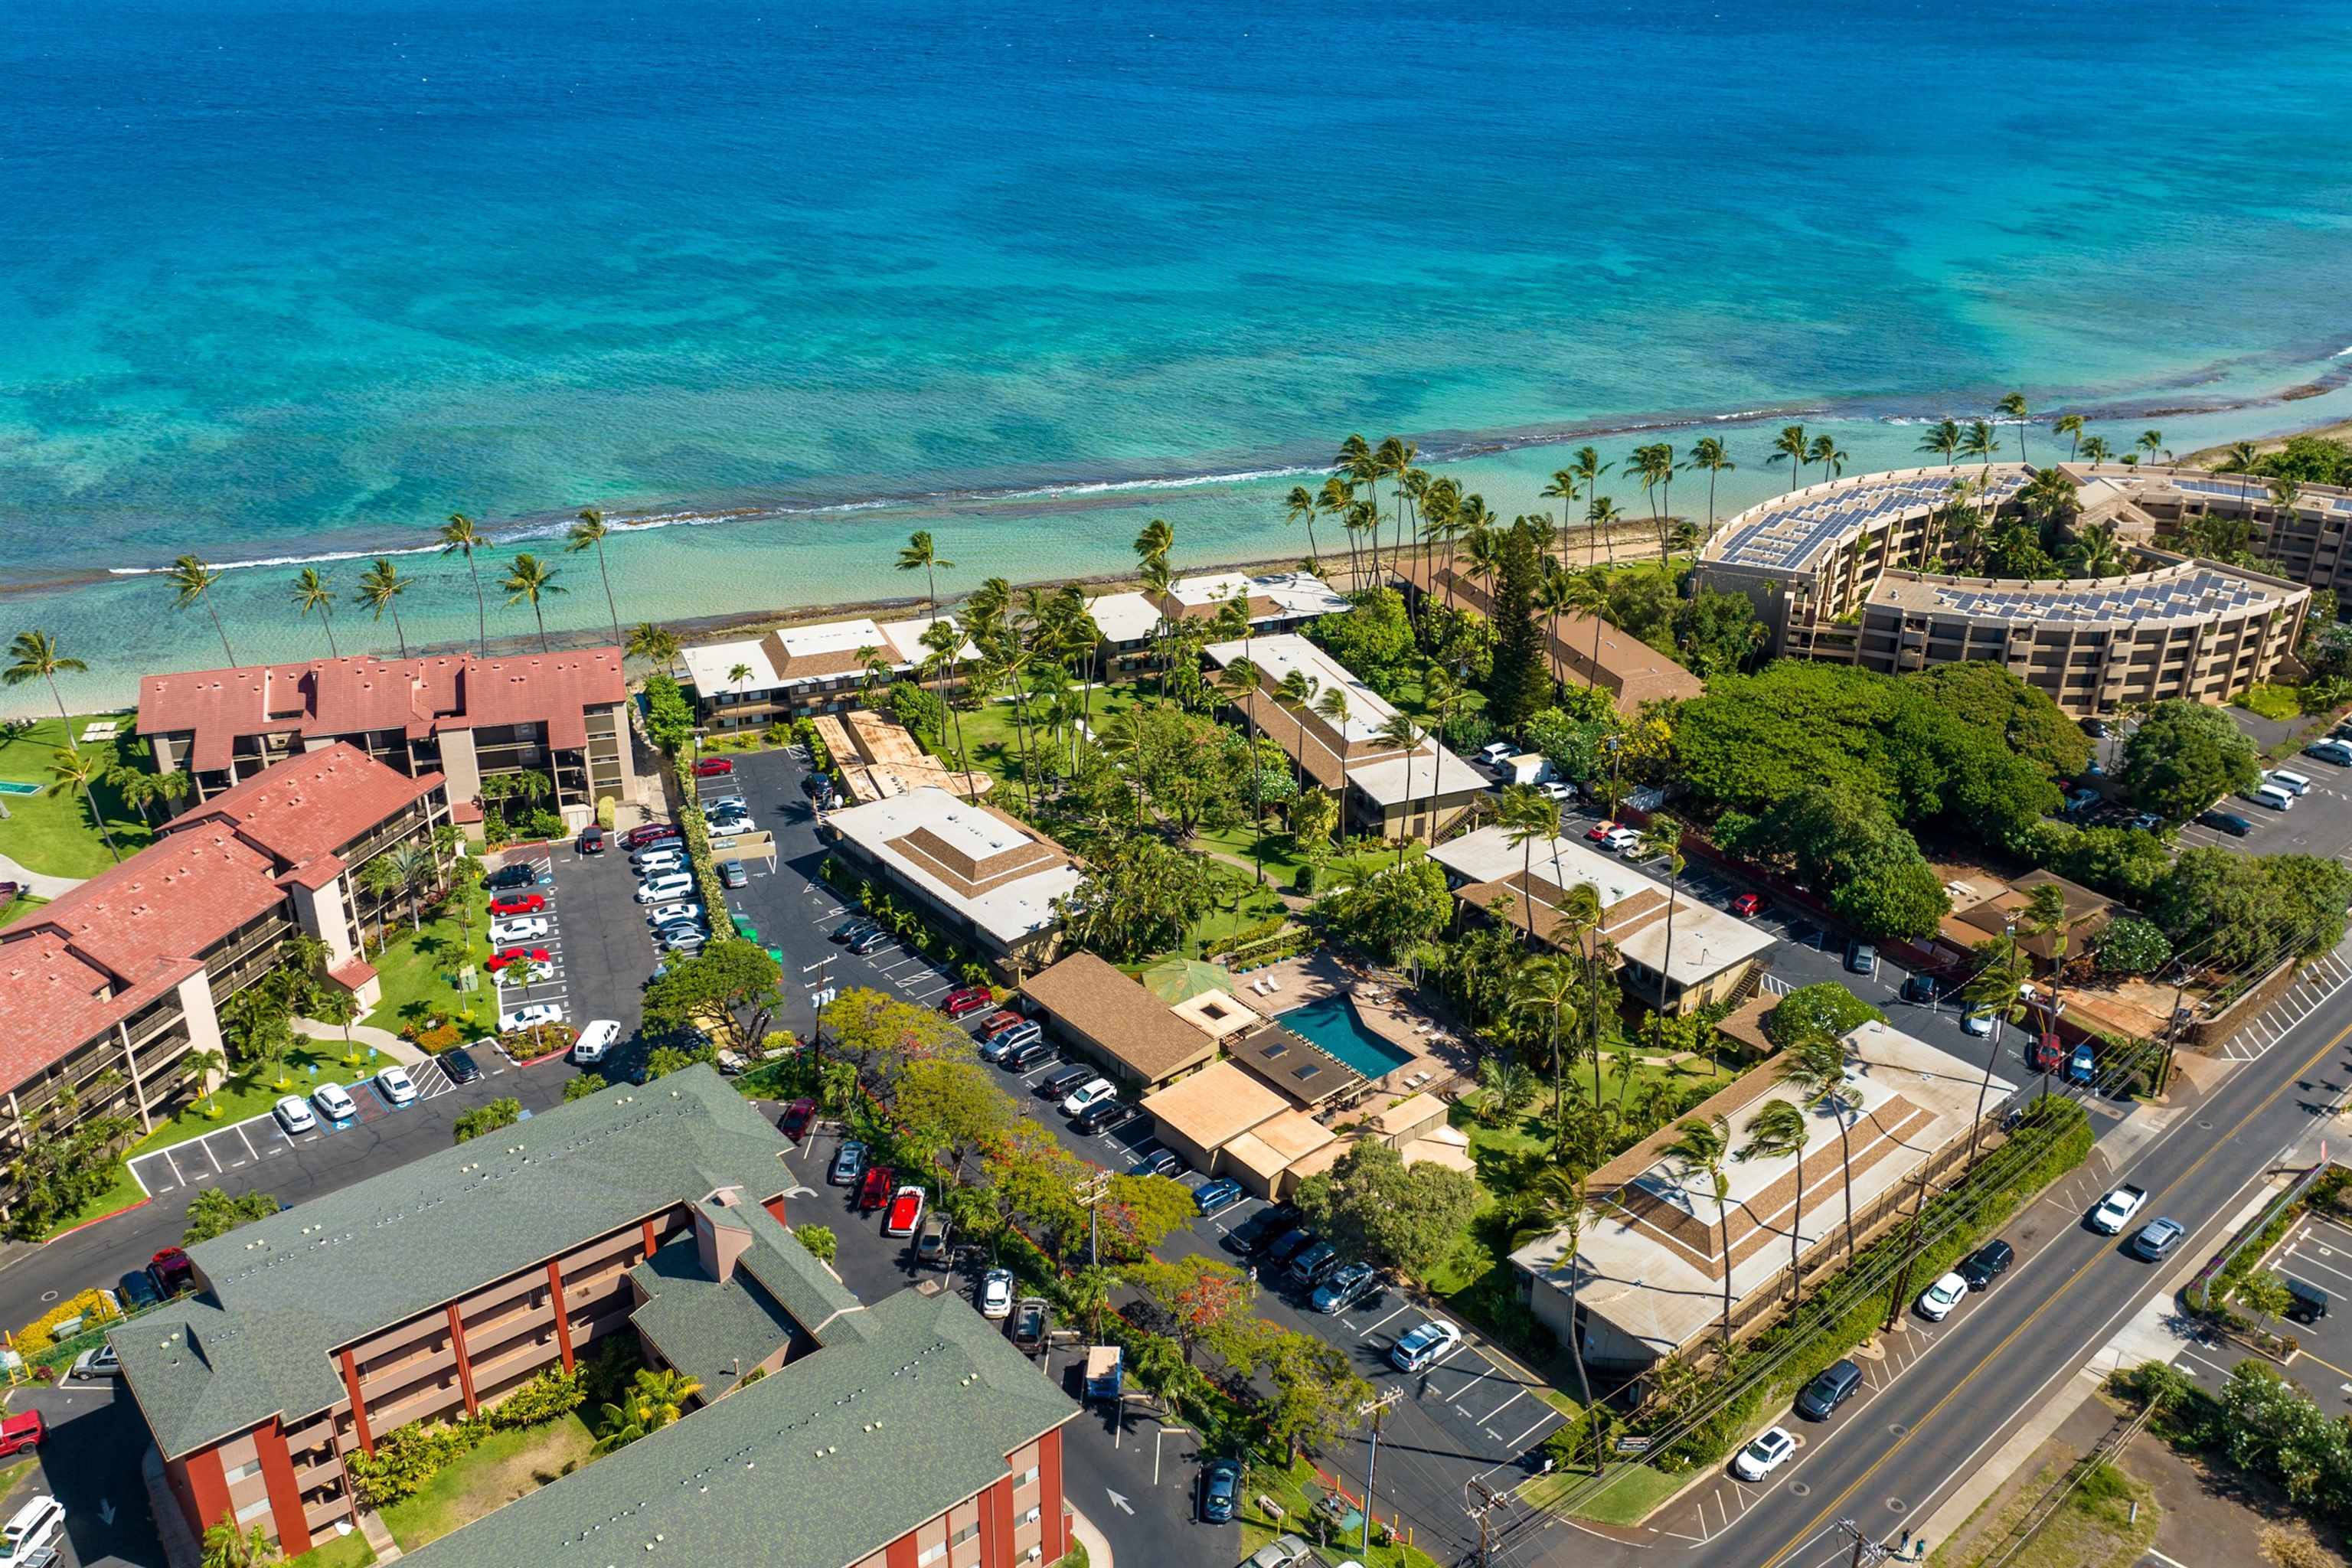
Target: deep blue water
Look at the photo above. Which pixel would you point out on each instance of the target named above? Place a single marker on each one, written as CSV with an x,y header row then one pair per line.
x,y
1331,1022
282,279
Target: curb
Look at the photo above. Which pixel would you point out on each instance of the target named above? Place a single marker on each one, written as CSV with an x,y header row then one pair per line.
x,y
101,1219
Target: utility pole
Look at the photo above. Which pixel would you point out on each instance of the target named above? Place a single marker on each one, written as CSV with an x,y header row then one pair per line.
x,y
1376,1409
1910,1254
1485,1500
1866,1551
818,1000
1089,1194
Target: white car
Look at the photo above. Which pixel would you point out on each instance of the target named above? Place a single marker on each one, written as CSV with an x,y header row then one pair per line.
x,y
1424,1347
1621,840
665,889
1496,753
1556,789
521,929
31,1534
996,1293
1087,1093
1976,1021
395,1086
293,1114
2115,1210
531,1017
727,825
333,1102
1935,1302
1764,1456
598,1037
652,862
662,914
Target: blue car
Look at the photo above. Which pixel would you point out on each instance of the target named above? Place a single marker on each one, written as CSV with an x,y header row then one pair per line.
x,y
2083,1068
1221,1482
1222,1194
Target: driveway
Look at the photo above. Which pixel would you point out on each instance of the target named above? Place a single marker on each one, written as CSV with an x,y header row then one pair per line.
x,y
90,1462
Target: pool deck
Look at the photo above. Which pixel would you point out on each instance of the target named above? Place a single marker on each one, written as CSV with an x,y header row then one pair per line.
x,y
1437,1056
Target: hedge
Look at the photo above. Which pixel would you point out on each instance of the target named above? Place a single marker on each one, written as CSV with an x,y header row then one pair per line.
x,y
1247,936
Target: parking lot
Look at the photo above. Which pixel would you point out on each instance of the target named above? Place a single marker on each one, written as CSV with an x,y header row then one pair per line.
x,y
258,1139
2316,1253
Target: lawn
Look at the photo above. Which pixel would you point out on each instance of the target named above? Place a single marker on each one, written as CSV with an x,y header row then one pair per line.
x,y
506,1466
2107,1521
52,832
419,971
1280,850
339,1552
1289,1490
21,905
994,740
2279,703
1629,1498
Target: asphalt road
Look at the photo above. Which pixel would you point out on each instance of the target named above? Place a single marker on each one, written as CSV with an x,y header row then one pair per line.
x,y
90,1462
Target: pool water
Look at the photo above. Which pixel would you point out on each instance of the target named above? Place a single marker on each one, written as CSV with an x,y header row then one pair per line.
x,y
1330,1023
10,787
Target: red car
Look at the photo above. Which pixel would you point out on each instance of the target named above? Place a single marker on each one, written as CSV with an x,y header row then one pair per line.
x,y
1747,905
171,1270
998,1023
968,999
18,1433
2045,1055
711,767
1599,831
651,833
874,1191
516,955
797,1117
905,1212
517,904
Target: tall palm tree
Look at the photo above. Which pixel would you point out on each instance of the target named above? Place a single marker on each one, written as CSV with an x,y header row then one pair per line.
x,y
33,656
1548,986
2242,458
1827,453
942,644
1300,506
1591,587
1980,442
1555,594
1361,464
2014,407
1701,1147
1654,464
1395,456
1239,681
312,592
1401,732
380,587
1994,990
1560,1207
1780,1132
2097,449
191,583
1816,1068
1152,544
1337,498
73,771
1446,700
532,579
2096,552
1526,818
1564,489
459,534
658,646
1943,439
1331,707
588,533
1664,836
1710,455
2286,493
1586,465
2152,443
1790,444
2069,426
921,554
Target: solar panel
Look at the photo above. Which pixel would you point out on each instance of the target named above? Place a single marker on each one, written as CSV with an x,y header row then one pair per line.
x,y
1785,534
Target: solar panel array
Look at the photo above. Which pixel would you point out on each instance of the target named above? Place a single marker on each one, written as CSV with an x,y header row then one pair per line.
x,y
2230,489
2202,591
1785,534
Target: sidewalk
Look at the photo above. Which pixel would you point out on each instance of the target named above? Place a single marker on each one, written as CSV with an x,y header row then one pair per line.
x,y
39,882
384,1040
1097,1549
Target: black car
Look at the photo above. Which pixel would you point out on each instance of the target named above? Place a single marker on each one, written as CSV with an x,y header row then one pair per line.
x,y
1986,1264
1157,1162
1220,1486
2096,729
592,841
521,874
1263,1228
1826,1392
1925,988
1057,1085
1291,1244
2228,822
459,1063
136,1290
871,943
1104,1115
850,930
1026,1056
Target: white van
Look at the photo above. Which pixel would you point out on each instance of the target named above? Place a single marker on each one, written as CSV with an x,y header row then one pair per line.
x,y
30,1535
2273,796
665,889
600,1036
2293,782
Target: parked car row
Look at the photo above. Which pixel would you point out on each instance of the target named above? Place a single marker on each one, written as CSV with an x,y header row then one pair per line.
x,y
297,1113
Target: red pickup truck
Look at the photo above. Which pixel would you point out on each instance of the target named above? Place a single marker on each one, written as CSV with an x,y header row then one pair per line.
x,y
905,1212
875,1190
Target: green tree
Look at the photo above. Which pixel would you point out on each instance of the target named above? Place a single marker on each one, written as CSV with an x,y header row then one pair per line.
x,y
487,1118
657,645
1520,686
1549,987
1395,1215
1386,910
68,1160
588,533
1699,1149
882,1035
1815,1067
652,1400
460,535
2130,945
380,587
71,771
312,592
1140,896
1822,1011
192,582
949,1111
1317,1394
669,717
1790,445
2184,757
582,1086
734,977
1373,634
1202,1298
532,579
1987,696
212,1213
225,1546
33,656
1717,633
921,554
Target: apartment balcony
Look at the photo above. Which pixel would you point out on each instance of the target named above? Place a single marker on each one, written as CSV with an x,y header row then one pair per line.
x,y
517,1358
383,1378
437,1398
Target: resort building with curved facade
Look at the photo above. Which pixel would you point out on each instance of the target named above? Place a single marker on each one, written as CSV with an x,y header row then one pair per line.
x,y
1833,572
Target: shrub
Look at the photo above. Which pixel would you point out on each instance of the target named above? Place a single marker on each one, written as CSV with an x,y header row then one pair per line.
x,y
553,1393
539,1040
438,1038
90,1306
1248,936
409,1456
487,1118
2130,945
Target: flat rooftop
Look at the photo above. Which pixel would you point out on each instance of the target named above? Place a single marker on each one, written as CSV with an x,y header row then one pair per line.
x,y
981,863
1789,532
2180,590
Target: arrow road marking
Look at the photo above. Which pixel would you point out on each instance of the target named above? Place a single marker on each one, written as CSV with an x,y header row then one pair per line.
x,y
1119,1503
106,1511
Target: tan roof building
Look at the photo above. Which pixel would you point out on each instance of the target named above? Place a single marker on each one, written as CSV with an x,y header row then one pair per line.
x,y
1199,1116
1093,1005
1618,663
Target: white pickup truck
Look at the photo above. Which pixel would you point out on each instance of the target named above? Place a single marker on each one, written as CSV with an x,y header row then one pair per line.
x,y
2115,1210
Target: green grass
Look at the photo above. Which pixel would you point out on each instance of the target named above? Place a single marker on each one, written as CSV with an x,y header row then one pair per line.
x,y
2279,703
994,740
1289,1488
1255,907
506,1466
339,1552
1280,850
1629,1498
419,971
14,1476
19,906
52,832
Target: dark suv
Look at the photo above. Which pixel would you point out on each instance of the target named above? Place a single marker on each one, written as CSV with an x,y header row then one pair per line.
x,y
1826,1392
1987,1264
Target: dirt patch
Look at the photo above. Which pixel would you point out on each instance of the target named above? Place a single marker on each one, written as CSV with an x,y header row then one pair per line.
x,y
2211,1515
508,1465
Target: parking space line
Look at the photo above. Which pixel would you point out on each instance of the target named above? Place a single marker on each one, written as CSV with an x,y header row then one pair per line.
x,y
2303,1262
1549,1415
1406,1308
247,1142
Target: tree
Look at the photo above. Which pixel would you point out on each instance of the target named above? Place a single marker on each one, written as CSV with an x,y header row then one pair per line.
x,y
1822,1011
1942,440
1663,836
1387,910
734,977
1548,986
948,1112
1506,1087
1395,1215
588,533
212,1213
1845,844
487,1118
652,1400
33,656
532,579
380,587
1140,896
1815,1067
1137,1213
70,770
1992,991
1372,635
1699,1149
1781,1130
68,1160
1520,686
819,1241
460,535
882,1035
1316,1393
1790,444
921,554
582,1086
1986,696
226,1546
657,645
1717,633
1086,1293
669,717
1199,1296
2012,406
312,592
1709,454
191,583
2184,757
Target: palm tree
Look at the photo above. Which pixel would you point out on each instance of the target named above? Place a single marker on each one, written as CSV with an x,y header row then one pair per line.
x,y
2014,407
2097,449
1151,544
1653,465
1980,442
1664,836
1564,489
1827,453
588,533
1395,458
1700,1147
920,554
1585,464
1816,1068
1401,732
2067,425
414,864
2285,494
1778,1132
1574,928
1560,1207
226,1547
1943,439
1086,1293
380,876
1446,699
530,578
1300,508
1338,499
942,643
460,535
2096,552
312,593
1526,817
1591,587
1360,464
33,656
191,583
1709,453
1994,990
658,646
1790,444
1547,985
72,770
1554,595
652,1400
1331,707
380,587
2152,443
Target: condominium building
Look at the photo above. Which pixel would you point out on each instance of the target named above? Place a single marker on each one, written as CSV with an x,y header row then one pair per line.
x,y
825,1431
127,974
1826,568
987,879
1578,646
2304,541
562,715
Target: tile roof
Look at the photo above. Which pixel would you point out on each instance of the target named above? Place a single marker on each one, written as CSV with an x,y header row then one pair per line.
x,y
823,1463
1214,1106
1122,1017
308,804
285,1293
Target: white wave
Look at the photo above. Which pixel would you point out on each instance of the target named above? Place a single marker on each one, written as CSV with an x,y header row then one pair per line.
x,y
279,561
1185,482
1743,414
2344,353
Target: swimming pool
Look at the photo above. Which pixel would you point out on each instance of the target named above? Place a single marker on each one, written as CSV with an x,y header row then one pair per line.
x,y
9,786
1330,1023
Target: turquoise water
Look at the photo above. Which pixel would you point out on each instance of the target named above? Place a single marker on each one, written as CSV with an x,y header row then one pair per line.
x,y
286,282
1331,1024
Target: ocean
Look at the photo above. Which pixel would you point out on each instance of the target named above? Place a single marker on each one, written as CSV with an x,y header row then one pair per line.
x,y
289,283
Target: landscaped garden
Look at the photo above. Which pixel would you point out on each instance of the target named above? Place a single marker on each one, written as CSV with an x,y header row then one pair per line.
x,y
501,1467
53,832
419,969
